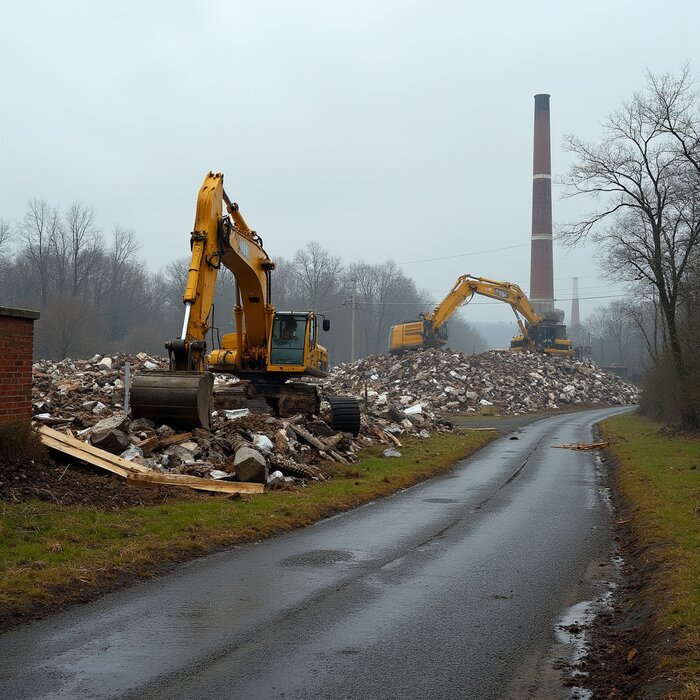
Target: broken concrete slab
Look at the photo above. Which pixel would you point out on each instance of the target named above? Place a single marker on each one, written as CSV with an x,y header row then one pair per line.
x,y
250,465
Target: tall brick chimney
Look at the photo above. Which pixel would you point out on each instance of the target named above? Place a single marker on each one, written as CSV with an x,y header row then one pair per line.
x,y
575,314
541,262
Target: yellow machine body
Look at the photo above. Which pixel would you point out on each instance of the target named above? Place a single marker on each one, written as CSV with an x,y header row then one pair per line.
x,y
218,240
267,347
536,333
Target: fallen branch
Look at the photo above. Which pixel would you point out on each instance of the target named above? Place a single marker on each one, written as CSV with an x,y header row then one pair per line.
x,y
582,446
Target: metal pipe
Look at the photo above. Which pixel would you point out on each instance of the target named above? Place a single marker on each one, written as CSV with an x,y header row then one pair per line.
x,y
186,322
127,379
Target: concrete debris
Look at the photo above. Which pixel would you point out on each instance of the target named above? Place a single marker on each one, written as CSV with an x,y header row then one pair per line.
x,y
131,453
236,413
447,382
250,465
407,396
262,442
391,452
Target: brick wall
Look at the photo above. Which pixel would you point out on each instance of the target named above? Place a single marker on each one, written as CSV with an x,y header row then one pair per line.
x,y
16,348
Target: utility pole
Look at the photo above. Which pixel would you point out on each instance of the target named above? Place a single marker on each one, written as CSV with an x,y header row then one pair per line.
x,y
352,303
354,306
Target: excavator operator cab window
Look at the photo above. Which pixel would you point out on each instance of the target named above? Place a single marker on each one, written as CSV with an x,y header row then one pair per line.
x,y
288,335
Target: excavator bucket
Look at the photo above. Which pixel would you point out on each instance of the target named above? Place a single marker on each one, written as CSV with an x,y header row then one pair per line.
x,y
179,399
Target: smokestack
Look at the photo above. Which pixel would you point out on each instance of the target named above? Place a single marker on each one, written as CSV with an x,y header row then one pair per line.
x,y
541,263
575,317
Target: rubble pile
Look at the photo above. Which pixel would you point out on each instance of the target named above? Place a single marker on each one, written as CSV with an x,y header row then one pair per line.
x,y
399,396
86,397
448,382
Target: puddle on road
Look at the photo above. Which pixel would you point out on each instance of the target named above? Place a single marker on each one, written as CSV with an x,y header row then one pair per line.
x,y
319,557
572,633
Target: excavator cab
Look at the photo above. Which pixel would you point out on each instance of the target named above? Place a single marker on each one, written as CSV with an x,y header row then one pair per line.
x,y
288,339
294,346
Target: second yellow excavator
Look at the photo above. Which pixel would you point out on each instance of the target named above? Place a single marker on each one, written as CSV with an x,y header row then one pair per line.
x,y
268,347
536,332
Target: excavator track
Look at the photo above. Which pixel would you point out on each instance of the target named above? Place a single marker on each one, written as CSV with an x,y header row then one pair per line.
x,y
345,414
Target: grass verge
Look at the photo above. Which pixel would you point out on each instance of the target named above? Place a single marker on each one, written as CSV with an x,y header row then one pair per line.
x,y
659,480
52,556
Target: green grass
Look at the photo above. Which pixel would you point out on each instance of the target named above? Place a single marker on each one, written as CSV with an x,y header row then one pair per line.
x,y
51,555
659,478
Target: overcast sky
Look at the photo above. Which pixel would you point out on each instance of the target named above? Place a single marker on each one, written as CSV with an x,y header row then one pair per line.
x,y
381,129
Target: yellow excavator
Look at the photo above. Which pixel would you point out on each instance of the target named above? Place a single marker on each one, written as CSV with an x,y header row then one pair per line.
x,y
536,332
268,347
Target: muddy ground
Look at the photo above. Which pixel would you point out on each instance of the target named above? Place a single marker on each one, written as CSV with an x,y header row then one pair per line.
x,y
68,483
624,647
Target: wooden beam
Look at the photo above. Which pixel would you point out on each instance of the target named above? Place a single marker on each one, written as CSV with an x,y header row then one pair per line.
x,y
173,439
76,452
137,473
92,450
195,482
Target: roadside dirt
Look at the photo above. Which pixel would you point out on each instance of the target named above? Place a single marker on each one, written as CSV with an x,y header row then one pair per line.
x,y
66,483
625,650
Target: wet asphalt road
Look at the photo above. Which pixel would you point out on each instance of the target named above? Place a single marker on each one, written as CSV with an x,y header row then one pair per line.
x,y
450,589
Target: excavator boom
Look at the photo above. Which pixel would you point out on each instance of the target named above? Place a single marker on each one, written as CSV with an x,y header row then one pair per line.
x,y
431,329
267,348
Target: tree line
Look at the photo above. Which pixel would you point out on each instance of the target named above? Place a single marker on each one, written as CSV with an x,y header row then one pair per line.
x,y
644,175
97,295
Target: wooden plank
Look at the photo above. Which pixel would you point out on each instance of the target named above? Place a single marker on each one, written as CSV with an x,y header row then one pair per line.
x,y
148,444
339,457
83,456
137,472
195,482
308,437
331,442
93,451
173,439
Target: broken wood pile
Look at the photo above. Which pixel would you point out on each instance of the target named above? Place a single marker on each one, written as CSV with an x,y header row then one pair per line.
x,y
132,471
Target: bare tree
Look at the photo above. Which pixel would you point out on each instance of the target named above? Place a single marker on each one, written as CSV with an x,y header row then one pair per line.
x,y
69,326
38,231
6,235
675,108
645,178
318,273
83,244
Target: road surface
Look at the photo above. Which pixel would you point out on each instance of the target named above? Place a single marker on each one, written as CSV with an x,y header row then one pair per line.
x,y
450,589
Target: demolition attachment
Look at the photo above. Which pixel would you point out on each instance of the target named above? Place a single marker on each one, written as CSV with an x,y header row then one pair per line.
x,y
180,399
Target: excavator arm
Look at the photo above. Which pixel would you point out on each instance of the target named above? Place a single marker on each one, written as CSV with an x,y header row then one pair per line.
x,y
215,241
431,331
267,347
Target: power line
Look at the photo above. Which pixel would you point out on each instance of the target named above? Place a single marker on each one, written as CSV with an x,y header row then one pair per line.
x,y
465,255
484,303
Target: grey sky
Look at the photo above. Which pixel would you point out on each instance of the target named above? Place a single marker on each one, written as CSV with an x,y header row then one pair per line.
x,y
381,129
